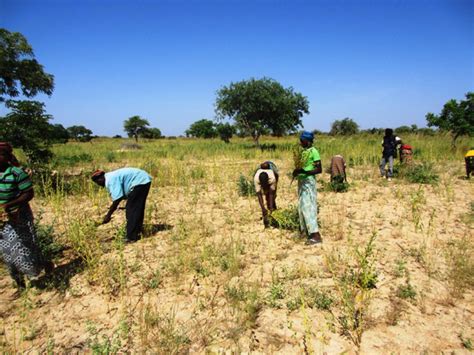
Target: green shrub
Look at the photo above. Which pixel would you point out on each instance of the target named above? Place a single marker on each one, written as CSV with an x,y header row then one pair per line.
x,y
50,249
406,291
319,299
419,173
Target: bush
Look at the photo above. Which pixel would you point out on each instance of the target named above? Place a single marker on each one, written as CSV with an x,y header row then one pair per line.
x,y
245,186
419,173
50,249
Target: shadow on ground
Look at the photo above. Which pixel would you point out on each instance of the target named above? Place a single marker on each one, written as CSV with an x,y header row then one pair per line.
x,y
152,229
59,279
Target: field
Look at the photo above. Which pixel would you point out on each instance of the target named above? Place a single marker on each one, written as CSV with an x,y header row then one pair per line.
x,y
395,273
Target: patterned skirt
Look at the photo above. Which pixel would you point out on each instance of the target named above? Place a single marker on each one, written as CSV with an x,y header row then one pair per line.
x,y
307,205
18,244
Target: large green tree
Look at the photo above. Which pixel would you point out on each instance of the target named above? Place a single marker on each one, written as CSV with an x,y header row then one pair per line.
x,y
135,125
151,133
225,131
202,129
20,72
455,117
80,133
344,127
27,126
58,133
260,104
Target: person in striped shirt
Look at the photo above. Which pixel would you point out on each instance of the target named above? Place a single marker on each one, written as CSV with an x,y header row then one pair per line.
x,y
18,245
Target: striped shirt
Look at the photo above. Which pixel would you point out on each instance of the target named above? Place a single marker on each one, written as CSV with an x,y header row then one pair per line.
x,y
13,182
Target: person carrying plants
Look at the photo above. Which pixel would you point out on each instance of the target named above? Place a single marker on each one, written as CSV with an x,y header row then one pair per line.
x,y
469,160
309,165
18,244
338,169
389,144
129,184
266,183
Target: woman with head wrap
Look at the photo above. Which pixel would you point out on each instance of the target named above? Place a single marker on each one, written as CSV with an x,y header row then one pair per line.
x,y
307,197
17,235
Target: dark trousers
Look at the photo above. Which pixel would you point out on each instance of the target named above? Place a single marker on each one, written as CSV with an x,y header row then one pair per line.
x,y
135,210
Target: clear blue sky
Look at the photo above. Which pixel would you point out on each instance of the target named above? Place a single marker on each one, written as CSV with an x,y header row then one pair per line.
x,y
383,63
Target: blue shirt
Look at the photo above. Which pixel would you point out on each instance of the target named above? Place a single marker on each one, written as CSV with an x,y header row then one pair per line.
x,y
121,182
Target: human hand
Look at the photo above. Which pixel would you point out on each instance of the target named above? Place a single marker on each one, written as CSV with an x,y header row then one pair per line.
x,y
296,172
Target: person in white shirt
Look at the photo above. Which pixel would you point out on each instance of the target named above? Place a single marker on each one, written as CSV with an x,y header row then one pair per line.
x,y
266,184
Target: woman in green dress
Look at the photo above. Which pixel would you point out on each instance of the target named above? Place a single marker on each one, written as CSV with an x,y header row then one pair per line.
x,y
307,195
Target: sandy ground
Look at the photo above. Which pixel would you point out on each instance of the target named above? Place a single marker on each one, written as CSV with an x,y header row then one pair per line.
x,y
187,308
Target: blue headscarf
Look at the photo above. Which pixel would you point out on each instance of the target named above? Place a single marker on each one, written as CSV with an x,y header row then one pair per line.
x,y
307,136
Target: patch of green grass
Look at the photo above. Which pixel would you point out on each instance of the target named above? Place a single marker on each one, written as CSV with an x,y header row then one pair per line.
x,y
460,265
406,291
247,300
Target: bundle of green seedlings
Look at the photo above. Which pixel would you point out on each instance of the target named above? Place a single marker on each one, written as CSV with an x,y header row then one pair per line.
x,y
245,186
338,184
286,218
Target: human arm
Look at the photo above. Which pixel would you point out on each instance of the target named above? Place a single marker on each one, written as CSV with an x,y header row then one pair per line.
x,y
22,198
112,209
317,170
264,210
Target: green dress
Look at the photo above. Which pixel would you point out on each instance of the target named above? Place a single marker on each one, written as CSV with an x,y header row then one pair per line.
x,y
307,195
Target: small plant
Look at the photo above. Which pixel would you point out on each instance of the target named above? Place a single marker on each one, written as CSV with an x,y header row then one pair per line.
x,y
466,342
287,218
418,202
163,334
101,343
198,173
319,299
275,294
365,274
460,265
400,267
45,238
354,282
154,281
245,186
406,291
420,173
247,300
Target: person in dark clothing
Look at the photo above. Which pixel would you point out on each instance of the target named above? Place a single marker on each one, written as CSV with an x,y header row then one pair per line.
x,y
390,145
131,184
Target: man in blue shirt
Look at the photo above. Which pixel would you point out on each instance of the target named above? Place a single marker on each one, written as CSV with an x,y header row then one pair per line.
x,y
129,184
